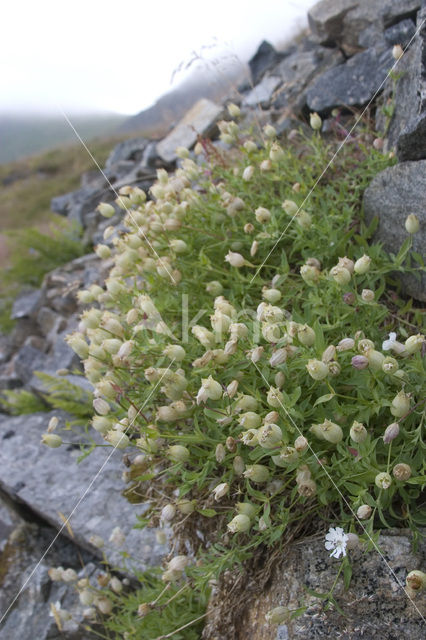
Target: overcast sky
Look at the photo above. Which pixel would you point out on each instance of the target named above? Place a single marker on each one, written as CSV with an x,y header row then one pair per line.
x,y
92,55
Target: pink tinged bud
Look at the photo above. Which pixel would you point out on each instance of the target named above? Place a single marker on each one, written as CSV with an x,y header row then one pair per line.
x,y
278,357
402,471
349,298
364,512
240,524
391,432
383,480
358,432
257,472
362,265
178,453
317,370
270,435
221,490
51,440
367,295
412,224
378,144
345,344
400,405
359,362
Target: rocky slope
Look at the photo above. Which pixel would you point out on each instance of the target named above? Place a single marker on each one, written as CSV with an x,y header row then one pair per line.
x,y
343,63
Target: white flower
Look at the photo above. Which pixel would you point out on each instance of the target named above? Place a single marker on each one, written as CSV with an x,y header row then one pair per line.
x,y
388,344
337,540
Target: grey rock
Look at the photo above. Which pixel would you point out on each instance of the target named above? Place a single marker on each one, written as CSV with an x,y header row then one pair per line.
x,y
26,360
9,520
298,70
49,321
263,60
410,107
27,304
27,590
356,24
51,482
392,195
200,119
262,93
351,84
375,605
131,150
61,204
400,33
23,328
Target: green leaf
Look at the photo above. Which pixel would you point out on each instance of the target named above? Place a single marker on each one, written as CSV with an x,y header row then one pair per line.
x,y
347,573
326,398
208,513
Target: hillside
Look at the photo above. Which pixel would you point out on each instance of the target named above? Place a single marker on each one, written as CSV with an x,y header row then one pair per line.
x,y
22,135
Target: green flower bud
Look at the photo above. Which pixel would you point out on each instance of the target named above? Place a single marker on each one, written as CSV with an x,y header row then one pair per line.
x,y
306,335
362,265
414,343
278,615
274,398
51,440
329,431
250,420
315,121
174,352
400,405
375,359
358,432
257,472
106,210
239,524
247,509
178,453
186,506
118,439
238,465
271,295
412,224
220,453
310,274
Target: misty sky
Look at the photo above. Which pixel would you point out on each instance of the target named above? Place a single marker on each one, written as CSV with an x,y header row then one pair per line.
x,y
92,55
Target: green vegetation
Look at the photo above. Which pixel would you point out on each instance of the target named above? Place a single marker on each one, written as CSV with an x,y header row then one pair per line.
x,y
250,356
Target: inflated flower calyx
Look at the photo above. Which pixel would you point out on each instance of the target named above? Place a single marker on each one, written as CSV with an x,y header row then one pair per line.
x,y
239,524
341,275
118,439
400,405
317,370
221,490
257,472
362,265
306,335
286,456
412,224
327,430
315,121
246,508
391,432
178,453
210,390
402,471
168,512
367,295
414,343
416,580
269,436
51,440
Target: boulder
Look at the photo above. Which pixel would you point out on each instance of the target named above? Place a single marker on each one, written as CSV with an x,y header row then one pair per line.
x,y
129,150
199,120
354,25
262,93
263,60
50,482
27,304
353,83
296,72
375,605
391,196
